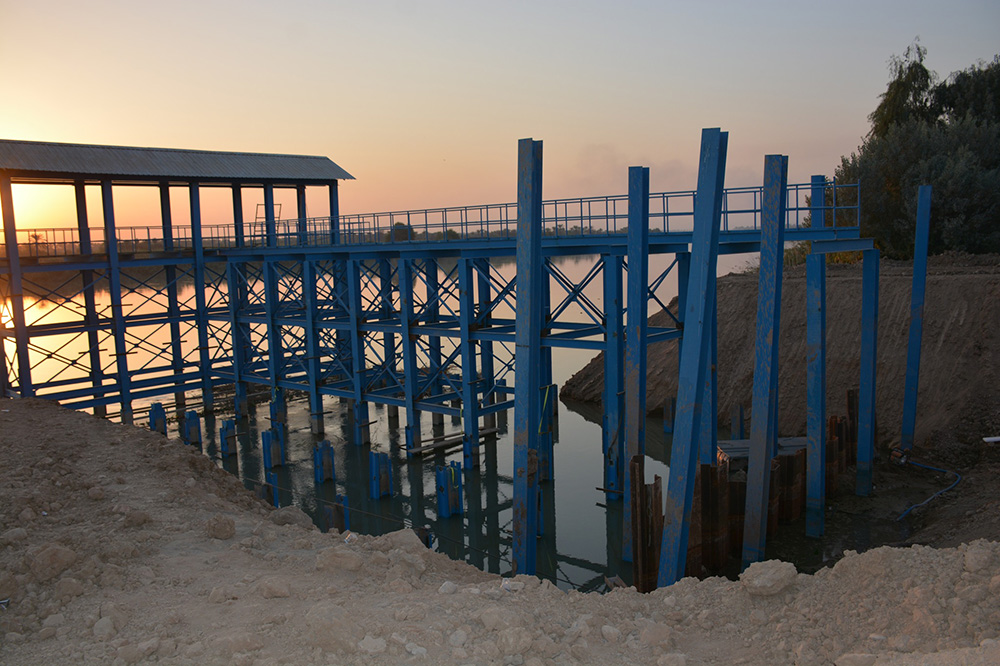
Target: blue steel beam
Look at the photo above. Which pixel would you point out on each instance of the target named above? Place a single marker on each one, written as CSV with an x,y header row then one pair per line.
x,y
709,435
312,346
301,226
869,354
614,351
815,394
484,318
684,450
635,338
239,229
359,406
173,308
239,333
763,434
271,231
527,355
334,194
916,317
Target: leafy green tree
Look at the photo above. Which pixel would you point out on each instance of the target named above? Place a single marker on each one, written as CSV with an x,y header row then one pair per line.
x,y
946,135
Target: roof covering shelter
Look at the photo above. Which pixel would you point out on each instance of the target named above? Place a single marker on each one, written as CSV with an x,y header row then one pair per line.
x,y
27,161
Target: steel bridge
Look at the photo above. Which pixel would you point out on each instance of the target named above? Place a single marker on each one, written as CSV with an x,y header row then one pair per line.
x,y
420,310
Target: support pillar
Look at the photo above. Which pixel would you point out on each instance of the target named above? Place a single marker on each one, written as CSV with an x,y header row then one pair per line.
x,y
238,336
869,353
90,299
614,361
527,355
684,451
763,431
470,379
238,225
635,337
204,352
815,393
334,213
118,315
388,337
270,224
486,359
432,310
312,345
359,406
302,224
173,303
709,436
24,385
916,318
411,367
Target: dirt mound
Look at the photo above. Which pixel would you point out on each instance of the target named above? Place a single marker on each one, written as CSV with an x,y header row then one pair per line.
x,y
959,398
120,546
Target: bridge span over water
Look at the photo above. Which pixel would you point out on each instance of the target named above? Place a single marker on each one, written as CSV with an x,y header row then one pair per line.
x,y
451,311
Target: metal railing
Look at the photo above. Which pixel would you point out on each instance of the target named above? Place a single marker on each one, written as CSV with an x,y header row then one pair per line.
x,y
669,212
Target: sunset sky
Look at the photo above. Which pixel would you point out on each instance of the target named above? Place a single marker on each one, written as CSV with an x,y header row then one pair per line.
x,y
423,102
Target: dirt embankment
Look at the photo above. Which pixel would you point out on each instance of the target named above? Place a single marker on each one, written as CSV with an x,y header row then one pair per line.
x,y
959,398
120,546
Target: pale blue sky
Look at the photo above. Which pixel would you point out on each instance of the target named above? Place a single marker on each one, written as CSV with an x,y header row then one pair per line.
x,y
424,101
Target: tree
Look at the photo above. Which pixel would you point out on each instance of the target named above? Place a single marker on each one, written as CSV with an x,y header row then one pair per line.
x,y
946,135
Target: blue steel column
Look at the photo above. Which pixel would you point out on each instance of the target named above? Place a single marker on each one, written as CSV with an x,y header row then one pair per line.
x,y
431,312
271,230
487,366
409,342
614,351
635,338
709,418
89,299
204,353
470,378
763,434
684,450
115,287
302,226
275,349
916,317
312,345
173,307
238,225
869,354
237,303
334,214
527,354
815,393
388,337
362,430
25,387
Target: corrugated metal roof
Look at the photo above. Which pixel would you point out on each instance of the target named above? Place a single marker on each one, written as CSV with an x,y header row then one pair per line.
x,y
163,163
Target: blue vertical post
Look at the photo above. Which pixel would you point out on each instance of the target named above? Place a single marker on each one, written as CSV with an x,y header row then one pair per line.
x,y
238,226
432,310
334,214
869,354
173,302
763,435
697,321
815,393
359,406
204,352
323,463
709,436
157,418
227,438
25,387
486,360
388,337
916,317
635,338
411,369
302,226
470,378
238,336
275,350
312,345
527,354
614,354
89,297
270,224
118,315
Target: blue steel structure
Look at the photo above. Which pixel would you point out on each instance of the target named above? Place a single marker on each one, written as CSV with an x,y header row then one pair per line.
x,y
413,310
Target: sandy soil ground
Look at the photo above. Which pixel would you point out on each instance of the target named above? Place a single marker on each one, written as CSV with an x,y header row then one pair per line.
x,y
120,546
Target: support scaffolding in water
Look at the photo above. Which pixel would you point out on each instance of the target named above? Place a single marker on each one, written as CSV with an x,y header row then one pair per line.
x,y
417,310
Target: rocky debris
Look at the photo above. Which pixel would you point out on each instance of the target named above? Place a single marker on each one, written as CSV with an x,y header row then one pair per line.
x,y
50,560
220,527
764,579
291,515
337,558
